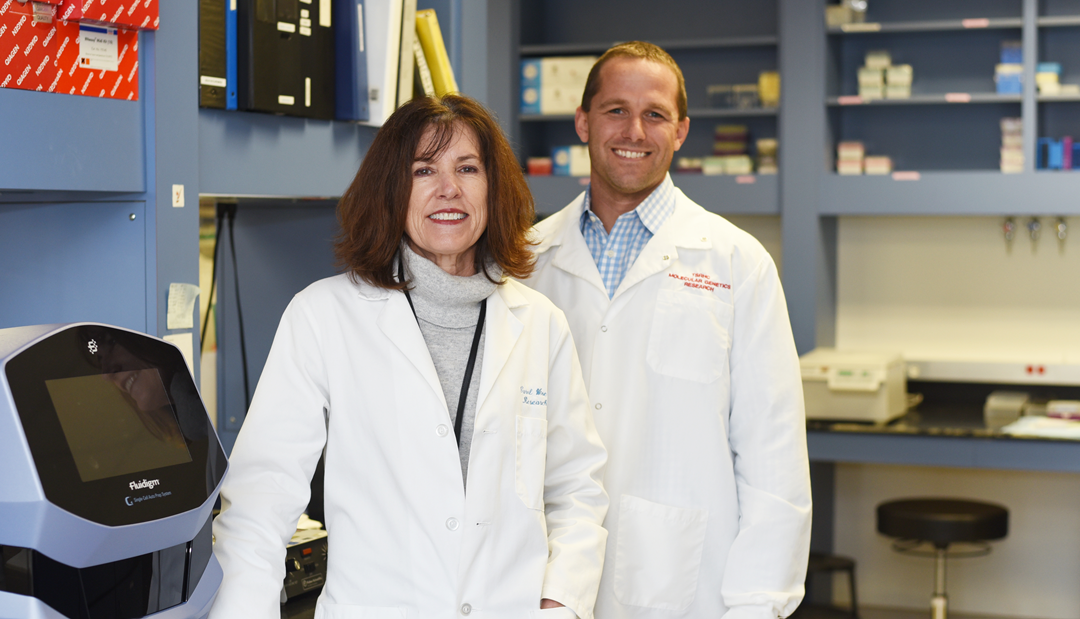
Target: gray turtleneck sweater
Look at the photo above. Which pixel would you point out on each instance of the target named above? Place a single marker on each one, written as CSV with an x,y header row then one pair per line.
x,y
447,309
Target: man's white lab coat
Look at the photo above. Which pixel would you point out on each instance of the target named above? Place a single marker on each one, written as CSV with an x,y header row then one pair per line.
x,y
406,538
697,394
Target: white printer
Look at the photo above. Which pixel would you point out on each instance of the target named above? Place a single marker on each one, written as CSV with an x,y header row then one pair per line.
x,y
846,385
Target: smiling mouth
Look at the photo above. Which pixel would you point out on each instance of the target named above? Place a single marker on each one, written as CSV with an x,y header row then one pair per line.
x,y
629,154
129,382
447,216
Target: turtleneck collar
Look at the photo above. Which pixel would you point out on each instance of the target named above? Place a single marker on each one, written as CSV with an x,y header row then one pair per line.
x,y
443,299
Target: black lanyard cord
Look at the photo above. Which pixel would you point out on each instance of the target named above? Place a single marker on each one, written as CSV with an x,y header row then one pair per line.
x,y
467,380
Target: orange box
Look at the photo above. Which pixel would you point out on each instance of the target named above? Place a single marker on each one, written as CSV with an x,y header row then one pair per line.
x,y
138,14
28,49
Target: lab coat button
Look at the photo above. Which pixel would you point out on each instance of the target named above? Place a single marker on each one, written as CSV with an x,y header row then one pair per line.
x,y
452,524
442,430
599,406
604,328
466,609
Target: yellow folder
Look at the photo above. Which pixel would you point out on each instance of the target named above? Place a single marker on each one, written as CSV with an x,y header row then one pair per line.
x,y
427,30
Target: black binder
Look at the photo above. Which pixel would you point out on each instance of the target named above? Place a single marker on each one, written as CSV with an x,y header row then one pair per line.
x,y
286,57
212,65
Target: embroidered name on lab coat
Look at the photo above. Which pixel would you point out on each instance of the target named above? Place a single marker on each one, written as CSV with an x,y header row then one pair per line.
x,y
699,280
533,397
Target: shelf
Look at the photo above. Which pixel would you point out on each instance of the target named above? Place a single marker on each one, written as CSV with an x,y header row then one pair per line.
x,y
754,194
929,26
566,49
543,118
952,98
701,112
1058,21
1057,98
979,192
263,155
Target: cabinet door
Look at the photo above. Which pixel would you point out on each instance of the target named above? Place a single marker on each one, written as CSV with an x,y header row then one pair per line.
x,y
73,262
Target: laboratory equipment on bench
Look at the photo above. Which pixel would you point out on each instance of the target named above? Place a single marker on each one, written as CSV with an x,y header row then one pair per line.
x,y
110,470
305,563
853,386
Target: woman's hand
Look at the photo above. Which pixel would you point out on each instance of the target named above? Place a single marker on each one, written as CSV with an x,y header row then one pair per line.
x,y
546,603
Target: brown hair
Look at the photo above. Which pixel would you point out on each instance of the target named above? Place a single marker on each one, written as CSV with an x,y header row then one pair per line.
x,y
643,51
373,210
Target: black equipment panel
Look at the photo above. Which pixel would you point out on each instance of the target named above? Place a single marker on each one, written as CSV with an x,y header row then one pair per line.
x,y
117,430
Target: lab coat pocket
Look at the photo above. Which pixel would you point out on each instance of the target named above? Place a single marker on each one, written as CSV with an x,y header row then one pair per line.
x,y
326,610
658,553
689,337
531,460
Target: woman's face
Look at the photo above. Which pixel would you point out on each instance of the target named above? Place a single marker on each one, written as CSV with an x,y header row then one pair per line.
x,y
448,204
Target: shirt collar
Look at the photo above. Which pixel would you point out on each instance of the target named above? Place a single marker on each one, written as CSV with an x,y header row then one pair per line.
x,y
653,211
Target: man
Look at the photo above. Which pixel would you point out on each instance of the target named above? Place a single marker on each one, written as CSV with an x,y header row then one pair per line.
x,y
684,340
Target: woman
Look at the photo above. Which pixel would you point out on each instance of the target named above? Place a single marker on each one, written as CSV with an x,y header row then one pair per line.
x,y
462,466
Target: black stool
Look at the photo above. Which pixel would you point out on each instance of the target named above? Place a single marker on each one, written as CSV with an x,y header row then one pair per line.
x,y
942,522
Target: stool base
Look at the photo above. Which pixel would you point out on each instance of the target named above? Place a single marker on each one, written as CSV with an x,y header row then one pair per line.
x,y
939,605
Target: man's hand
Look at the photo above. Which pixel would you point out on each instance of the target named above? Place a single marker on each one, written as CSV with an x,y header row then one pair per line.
x,y
546,603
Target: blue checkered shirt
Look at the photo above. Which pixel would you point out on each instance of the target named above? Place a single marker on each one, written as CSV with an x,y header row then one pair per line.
x,y
616,252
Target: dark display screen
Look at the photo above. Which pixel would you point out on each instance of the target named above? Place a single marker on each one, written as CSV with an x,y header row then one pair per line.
x,y
115,425
118,423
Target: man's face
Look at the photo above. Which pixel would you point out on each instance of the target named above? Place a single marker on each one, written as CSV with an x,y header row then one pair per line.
x,y
632,127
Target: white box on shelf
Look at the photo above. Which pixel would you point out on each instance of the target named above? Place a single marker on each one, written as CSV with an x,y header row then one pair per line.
x,y
562,82
853,386
878,58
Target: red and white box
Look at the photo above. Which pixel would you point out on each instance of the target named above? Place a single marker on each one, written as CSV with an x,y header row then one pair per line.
x,y
28,49
98,61
137,14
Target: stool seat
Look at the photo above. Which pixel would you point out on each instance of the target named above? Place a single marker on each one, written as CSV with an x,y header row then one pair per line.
x,y
942,521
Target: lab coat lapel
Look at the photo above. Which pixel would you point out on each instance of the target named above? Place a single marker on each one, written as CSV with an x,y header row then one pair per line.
x,y
398,323
661,251
573,255
502,331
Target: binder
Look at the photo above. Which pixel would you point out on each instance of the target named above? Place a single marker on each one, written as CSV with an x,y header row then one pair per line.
x,y
442,74
406,60
230,55
285,57
382,32
350,61
213,81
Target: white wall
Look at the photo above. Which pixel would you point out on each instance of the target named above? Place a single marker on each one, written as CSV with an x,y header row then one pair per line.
x,y
766,229
949,288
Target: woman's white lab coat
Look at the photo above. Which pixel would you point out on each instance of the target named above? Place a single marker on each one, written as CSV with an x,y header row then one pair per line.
x,y
693,373
406,538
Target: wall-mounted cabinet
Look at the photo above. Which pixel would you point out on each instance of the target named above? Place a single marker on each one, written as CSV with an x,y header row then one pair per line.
x,y
951,119
59,142
250,154
1059,41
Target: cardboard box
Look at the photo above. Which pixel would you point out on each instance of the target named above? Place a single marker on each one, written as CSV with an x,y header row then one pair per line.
x,y
137,14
